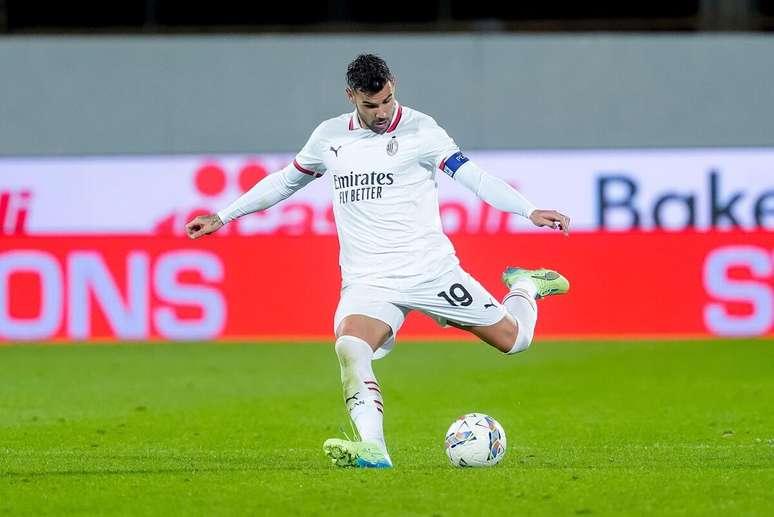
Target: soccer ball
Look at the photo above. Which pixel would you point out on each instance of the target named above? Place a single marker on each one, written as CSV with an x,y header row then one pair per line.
x,y
475,440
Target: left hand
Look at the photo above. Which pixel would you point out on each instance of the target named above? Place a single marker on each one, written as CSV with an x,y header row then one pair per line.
x,y
552,219
203,225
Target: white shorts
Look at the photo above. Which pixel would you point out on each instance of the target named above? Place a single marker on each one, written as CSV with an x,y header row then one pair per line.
x,y
454,297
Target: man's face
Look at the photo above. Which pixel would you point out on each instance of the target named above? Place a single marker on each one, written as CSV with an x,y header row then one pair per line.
x,y
374,109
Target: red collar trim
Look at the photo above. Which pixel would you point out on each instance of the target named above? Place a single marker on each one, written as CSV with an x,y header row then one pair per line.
x,y
396,120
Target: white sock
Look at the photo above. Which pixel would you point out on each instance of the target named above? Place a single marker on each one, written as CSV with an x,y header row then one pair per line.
x,y
362,393
520,302
525,284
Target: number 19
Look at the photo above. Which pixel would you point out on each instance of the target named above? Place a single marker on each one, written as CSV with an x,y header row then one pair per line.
x,y
459,294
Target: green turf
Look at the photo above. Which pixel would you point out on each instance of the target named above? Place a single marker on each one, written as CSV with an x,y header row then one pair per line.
x,y
593,428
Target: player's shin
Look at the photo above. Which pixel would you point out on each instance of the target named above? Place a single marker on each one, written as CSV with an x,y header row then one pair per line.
x,y
362,393
521,304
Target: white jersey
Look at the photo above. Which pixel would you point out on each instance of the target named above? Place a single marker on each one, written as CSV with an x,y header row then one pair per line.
x,y
385,196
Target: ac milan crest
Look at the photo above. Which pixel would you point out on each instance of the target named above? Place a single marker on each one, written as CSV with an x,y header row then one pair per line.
x,y
392,146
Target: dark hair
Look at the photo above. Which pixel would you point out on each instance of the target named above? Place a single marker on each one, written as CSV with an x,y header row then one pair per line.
x,y
368,73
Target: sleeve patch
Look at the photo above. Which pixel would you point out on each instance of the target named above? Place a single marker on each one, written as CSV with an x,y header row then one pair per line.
x,y
453,162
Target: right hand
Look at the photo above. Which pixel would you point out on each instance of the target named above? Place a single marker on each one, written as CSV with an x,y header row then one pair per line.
x,y
552,219
202,225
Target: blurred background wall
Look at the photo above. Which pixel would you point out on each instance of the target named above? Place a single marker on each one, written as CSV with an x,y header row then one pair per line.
x,y
252,93
650,123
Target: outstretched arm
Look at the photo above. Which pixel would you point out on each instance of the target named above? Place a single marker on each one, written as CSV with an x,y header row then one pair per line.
x,y
502,196
266,193
440,151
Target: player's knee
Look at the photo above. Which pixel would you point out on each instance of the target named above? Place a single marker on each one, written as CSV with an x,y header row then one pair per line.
x,y
504,335
372,331
347,328
522,342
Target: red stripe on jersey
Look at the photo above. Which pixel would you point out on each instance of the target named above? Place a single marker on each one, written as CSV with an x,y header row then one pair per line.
x,y
305,171
397,119
351,123
379,404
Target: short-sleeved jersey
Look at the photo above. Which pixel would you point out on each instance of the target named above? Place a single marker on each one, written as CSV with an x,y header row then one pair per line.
x,y
385,196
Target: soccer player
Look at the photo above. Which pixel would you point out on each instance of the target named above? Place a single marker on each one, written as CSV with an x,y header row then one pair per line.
x,y
383,160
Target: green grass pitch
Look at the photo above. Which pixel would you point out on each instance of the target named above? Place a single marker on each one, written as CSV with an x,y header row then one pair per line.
x,y
677,428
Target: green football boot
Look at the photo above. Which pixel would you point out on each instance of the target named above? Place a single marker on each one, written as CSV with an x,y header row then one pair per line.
x,y
346,453
546,281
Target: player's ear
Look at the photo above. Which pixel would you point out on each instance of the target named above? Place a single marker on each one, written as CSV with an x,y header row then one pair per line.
x,y
350,94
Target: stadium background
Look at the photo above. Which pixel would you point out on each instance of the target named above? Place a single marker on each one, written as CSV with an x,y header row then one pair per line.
x,y
131,133
650,123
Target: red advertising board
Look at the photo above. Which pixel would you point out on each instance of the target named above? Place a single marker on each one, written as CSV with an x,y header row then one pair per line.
x,y
632,284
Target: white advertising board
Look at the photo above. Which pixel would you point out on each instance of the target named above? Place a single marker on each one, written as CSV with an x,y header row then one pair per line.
x,y
616,190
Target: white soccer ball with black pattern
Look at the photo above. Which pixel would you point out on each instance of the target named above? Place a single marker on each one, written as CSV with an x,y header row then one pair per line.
x,y
475,440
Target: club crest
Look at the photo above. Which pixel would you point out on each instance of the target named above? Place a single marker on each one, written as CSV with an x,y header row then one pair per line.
x,y
392,146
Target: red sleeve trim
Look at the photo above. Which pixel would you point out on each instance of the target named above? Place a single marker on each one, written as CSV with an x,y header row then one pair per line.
x,y
305,171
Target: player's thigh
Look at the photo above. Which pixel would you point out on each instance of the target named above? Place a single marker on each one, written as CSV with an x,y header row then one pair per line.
x,y
456,298
368,313
459,300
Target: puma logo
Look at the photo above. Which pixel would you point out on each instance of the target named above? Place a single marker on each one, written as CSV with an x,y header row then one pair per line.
x,y
335,150
487,305
353,397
